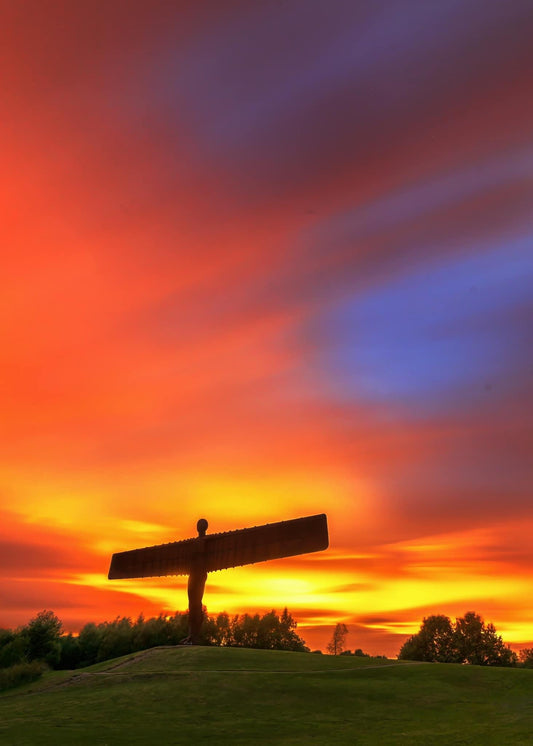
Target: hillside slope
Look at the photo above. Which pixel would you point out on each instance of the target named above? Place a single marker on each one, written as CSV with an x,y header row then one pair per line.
x,y
236,696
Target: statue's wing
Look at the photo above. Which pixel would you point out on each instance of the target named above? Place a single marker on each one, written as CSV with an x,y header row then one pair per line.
x,y
165,559
230,549
268,542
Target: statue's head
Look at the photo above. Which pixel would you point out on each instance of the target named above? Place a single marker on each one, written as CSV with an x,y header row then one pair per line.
x,y
202,526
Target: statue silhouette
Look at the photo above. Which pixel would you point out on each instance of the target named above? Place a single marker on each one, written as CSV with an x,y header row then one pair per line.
x,y
202,554
196,585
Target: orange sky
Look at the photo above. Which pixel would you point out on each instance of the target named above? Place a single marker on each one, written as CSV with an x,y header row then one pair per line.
x,y
260,262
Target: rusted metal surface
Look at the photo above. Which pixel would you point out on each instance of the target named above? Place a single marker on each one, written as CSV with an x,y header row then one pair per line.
x,y
223,550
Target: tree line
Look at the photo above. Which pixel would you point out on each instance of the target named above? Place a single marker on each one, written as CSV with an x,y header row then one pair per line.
x,y
24,651
43,639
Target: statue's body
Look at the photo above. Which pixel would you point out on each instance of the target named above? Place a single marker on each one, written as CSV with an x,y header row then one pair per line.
x,y
207,553
196,585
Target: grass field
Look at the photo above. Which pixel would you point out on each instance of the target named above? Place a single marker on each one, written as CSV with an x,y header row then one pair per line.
x,y
236,696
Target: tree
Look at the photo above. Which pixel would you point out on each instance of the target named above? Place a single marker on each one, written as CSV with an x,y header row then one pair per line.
x,y
469,640
479,644
43,634
289,638
433,642
271,631
526,657
116,640
13,649
70,656
219,631
89,641
338,639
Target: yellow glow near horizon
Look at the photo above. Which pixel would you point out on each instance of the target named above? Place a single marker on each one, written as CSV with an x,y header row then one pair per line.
x,y
405,579
262,587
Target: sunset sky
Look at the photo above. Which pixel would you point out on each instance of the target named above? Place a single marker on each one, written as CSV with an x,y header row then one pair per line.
x,y
262,260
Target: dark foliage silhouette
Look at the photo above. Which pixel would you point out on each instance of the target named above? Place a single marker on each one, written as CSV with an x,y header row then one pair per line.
x,y
41,640
20,673
338,640
468,640
44,638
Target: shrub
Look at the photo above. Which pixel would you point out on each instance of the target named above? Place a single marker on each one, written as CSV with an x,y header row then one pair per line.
x,y
20,673
14,651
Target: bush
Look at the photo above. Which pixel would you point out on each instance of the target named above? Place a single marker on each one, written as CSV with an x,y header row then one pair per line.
x,y
20,673
15,650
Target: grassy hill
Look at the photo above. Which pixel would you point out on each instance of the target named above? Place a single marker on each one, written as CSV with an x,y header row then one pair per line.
x,y
235,696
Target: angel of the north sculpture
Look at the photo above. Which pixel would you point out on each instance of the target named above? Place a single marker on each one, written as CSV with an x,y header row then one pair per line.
x,y
209,552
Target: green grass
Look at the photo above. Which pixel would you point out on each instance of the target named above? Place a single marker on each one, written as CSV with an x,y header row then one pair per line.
x,y
234,696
